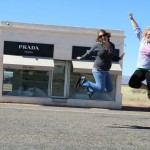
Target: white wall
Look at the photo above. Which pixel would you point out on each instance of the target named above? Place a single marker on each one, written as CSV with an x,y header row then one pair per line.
x,y
63,39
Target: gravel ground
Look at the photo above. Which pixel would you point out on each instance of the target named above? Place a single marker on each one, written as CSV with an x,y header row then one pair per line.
x,y
35,127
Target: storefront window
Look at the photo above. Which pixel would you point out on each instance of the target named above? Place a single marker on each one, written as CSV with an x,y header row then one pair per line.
x,y
81,93
28,83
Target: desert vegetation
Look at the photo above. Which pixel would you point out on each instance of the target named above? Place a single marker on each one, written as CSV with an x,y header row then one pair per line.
x,y
134,96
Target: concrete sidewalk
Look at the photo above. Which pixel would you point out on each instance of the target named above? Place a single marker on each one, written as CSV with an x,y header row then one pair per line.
x,y
35,127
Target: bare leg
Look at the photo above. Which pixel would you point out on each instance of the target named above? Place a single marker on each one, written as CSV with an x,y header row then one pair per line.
x,y
145,88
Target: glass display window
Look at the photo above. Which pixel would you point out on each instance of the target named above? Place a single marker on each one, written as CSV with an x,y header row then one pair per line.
x,y
81,92
29,83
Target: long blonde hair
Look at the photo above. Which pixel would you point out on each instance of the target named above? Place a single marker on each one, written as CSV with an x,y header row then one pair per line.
x,y
146,30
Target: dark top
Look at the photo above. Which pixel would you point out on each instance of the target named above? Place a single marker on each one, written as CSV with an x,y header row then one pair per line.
x,y
103,57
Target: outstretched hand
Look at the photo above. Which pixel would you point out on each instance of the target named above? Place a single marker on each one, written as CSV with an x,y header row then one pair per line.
x,y
121,57
130,15
78,57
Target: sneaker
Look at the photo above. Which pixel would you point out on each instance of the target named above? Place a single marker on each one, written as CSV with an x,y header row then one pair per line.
x,y
89,94
80,82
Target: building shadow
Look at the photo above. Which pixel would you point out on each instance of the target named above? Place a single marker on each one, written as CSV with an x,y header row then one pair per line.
x,y
135,108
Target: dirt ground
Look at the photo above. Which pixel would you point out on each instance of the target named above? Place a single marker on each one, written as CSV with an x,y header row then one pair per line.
x,y
135,99
134,105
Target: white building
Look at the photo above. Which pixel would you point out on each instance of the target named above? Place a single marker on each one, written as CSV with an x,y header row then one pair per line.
x,y
38,66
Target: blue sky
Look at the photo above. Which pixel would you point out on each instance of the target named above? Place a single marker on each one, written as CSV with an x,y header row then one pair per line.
x,y
108,14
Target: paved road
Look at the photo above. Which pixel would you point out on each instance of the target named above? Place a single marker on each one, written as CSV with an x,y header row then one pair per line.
x,y
34,127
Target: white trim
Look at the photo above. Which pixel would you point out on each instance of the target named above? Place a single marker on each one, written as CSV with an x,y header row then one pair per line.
x,y
27,63
86,67
62,102
57,29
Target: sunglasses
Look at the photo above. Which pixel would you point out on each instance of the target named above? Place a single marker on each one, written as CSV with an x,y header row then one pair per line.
x,y
103,35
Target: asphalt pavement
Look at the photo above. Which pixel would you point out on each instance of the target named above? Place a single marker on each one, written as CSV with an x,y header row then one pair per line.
x,y
36,127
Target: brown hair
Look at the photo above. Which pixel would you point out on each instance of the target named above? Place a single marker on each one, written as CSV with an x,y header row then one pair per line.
x,y
105,32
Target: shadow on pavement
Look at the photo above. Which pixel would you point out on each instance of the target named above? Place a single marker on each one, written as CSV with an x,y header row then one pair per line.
x,y
135,108
130,127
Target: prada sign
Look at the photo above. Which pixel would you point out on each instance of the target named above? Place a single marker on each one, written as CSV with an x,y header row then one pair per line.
x,y
28,49
80,50
28,67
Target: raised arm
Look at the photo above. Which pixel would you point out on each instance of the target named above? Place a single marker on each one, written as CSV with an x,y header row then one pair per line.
x,y
88,52
136,27
133,22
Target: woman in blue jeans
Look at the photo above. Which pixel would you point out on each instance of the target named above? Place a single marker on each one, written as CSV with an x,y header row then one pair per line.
x,y
103,51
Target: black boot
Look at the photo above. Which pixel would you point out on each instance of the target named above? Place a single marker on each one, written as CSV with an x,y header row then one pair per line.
x,y
80,82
